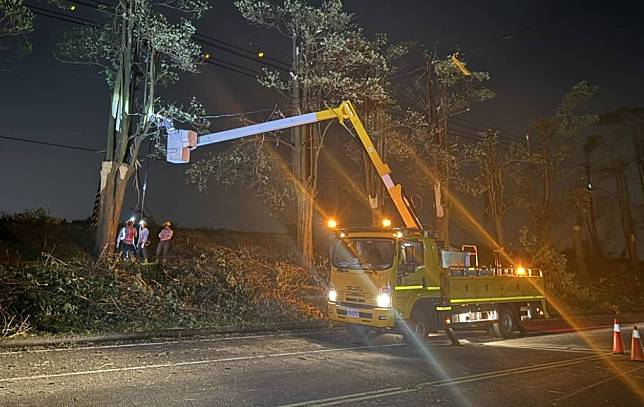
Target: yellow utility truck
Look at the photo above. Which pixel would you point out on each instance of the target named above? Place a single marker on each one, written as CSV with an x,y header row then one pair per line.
x,y
399,278
402,279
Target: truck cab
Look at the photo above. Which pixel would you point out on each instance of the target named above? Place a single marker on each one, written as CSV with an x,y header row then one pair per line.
x,y
401,279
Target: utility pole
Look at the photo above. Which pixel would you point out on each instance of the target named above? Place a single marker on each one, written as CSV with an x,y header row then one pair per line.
x,y
591,214
436,112
579,195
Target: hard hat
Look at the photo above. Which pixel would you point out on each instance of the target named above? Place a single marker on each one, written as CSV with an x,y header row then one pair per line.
x,y
167,223
142,222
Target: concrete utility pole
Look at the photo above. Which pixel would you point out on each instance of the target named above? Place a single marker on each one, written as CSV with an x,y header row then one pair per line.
x,y
591,214
436,111
579,196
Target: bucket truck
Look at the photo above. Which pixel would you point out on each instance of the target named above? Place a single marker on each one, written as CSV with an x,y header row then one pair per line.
x,y
399,278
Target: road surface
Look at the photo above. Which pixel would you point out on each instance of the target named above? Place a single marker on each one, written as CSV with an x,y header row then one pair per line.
x,y
327,368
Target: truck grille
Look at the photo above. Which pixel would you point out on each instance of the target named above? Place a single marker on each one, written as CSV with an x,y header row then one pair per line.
x,y
363,315
354,305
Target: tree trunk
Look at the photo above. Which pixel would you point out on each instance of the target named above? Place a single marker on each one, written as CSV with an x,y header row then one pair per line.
x,y
114,179
498,230
308,258
627,218
638,143
299,163
580,260
115,171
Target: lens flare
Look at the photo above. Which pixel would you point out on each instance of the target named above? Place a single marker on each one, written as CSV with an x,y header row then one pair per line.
x,y
558,307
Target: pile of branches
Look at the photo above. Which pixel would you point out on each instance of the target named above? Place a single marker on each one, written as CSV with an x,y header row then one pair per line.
x,y
217,286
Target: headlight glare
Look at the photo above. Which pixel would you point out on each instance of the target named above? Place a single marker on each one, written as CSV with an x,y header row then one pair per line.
x,y
383,300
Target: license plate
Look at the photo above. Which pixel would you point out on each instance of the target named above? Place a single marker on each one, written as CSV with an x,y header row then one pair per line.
x,y
353,313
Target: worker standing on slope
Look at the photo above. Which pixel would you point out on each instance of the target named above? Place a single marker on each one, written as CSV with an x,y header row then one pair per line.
x,y
164,240
126,238
144,241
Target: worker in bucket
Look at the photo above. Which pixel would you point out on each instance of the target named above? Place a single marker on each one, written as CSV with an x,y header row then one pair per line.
x,y
126,239
144,241
164,240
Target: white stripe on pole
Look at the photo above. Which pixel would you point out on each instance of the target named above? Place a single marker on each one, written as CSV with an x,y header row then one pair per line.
x,y
255,129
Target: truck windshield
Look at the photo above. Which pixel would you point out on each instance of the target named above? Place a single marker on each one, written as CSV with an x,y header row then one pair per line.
x,y
364,253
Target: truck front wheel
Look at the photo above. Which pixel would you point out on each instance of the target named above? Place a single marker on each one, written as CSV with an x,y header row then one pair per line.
x,y
423,322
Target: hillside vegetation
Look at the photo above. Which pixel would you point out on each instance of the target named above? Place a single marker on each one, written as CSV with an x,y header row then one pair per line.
x,y
49,282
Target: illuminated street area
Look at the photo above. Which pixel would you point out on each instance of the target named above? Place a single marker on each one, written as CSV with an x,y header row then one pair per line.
x,y
327,368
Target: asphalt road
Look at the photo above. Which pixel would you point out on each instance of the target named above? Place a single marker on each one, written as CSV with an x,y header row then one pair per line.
x,y
327,368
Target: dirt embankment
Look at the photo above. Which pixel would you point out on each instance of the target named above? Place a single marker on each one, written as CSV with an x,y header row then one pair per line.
x,y
49,282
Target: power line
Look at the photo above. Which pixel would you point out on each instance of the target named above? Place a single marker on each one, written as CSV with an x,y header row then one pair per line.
x,y
245,53
213,63
94,6
230,66
525,29
208,61
85,22
61,17
201,38
474,126
47,143
224,45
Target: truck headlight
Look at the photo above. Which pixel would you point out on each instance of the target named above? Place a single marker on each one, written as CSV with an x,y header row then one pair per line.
x,y
383,300
333,295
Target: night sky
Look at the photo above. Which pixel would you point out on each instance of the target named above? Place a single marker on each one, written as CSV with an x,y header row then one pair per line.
x,y
43,99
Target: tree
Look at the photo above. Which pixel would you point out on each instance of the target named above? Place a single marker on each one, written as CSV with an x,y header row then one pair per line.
x,y
380,119
16,19
552,141
434,92
628,225
332,60
587,199
632,117
498,177
618,149
137,49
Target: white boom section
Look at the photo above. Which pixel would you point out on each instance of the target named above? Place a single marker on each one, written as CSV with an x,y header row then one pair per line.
x,y
180,142
254,129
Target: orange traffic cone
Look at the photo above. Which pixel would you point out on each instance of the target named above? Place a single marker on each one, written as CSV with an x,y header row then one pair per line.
x,y
636,346
618,342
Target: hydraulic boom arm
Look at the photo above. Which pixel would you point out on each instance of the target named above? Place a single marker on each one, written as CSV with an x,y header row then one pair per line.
x,y
180,142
